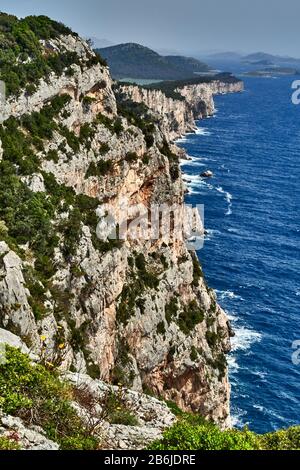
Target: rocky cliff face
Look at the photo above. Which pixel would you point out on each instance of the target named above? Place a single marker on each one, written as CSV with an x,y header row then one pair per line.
x,y
136,311
177,116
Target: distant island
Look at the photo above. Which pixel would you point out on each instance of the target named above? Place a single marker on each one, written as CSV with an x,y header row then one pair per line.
x,y
132,60
272,72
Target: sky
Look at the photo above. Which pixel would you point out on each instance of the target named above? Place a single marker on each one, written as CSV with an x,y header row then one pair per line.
x,y
174,25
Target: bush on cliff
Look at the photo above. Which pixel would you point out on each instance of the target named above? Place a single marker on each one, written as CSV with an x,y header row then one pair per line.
x,y
188,434
8,444
37,396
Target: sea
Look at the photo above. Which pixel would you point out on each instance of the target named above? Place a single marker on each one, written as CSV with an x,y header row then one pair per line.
x,y
251,254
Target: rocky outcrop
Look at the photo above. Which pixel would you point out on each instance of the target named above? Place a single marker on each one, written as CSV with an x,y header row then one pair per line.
x,y
152,416
137,311
177,116
26,438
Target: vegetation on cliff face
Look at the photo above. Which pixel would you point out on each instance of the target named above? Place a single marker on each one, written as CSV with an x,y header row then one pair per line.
x,y
137,114
169,88
23,58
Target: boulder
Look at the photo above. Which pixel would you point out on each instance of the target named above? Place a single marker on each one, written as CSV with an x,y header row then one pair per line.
x,y
207,174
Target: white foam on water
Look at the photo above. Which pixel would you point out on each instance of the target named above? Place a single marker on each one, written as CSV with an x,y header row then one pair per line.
x,y
298,292
228,198
198,163
259,408
202,131
213,231
265,411
181,140
194,162
228,294
244,338
232,364
237,418
210,233
196,182
231,317
259,373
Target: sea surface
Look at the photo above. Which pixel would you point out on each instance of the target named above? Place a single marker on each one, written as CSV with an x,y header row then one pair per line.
x,y
251,254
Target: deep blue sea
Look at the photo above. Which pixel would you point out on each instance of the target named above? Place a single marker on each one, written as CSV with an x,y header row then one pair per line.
x,y
251,254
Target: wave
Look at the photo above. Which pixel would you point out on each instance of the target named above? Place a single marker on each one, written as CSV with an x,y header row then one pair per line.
x,y
202,131
259,373
298,292
233,318
232,364
193,163
244,338
237,417
210,233
228,198
181,140
265,411
195,181
228,294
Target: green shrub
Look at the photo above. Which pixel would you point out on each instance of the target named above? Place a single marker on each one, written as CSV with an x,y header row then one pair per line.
x,y
146,159
88,100
197,271
212,338
124,417
171,310
166,150
37,395
72,140
191,316
194,354
138,115
118,413
131,157
113,125
161,329
288,439
8,444
45,28
20,41
86,132
184,436
127,303
52,155
104,149
192,432
148,279
99,169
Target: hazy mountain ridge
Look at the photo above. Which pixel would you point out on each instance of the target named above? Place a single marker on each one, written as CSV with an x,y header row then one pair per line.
x,y
137,61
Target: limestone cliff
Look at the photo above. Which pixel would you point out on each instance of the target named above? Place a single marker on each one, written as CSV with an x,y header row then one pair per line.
x,y
177,116
136,311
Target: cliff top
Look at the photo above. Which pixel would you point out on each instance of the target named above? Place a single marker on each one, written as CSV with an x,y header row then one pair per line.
x,y
30,50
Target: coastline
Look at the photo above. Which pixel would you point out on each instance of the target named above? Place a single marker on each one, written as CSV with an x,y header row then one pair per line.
x,y
251,300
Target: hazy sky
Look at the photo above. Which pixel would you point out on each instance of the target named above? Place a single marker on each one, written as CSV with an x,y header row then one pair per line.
x,y
188,25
